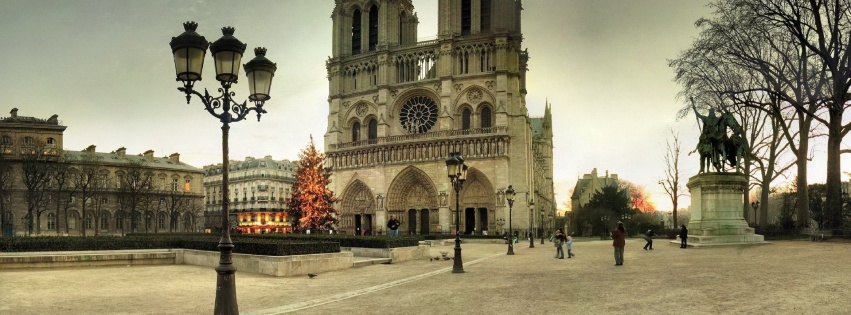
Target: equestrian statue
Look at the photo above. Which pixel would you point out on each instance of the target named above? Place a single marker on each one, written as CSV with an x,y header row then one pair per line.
x,y
716,147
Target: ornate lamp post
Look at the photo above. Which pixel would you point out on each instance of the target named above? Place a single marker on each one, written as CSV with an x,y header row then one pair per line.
x,y
531,214
509,196
189,49
457,171
754,205
541,227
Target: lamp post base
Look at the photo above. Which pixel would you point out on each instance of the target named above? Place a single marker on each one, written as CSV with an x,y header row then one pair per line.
x,y
458,264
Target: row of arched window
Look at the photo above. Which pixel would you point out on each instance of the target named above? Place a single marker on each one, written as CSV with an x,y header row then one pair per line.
x,y
371,130
372,30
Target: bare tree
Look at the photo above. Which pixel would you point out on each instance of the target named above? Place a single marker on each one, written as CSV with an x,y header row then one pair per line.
x,y
85,182
7,178
672,183
63,188
135,184
36,166
741,59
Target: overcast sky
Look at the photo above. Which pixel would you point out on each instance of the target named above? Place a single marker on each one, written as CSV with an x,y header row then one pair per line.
x,y
105,68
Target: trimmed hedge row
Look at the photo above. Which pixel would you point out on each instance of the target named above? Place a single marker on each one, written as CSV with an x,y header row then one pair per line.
x,y
65,243
255,244
432,237
343,240
206,242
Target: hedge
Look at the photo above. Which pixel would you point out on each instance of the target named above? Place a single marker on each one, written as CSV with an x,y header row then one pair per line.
x,y
255,244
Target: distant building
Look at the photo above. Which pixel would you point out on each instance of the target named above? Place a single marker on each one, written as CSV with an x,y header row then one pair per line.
x,y
258,190
166,195
588,185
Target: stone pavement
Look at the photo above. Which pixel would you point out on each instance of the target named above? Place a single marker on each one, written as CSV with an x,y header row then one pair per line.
x,y
791,277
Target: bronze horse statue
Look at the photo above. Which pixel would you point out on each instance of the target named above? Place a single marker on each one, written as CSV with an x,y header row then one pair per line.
x,y
716,147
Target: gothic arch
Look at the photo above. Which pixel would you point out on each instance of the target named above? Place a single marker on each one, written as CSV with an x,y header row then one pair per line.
x,y
465,96
360,109
357,198
415,91
478,191
411,189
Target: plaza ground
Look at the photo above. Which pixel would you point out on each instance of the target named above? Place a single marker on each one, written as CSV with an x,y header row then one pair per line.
x,y
785,277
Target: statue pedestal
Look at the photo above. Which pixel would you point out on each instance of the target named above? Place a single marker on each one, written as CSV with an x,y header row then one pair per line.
x,y
716,211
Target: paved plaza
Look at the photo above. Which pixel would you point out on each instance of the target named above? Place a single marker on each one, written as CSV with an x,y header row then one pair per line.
x,y
785,277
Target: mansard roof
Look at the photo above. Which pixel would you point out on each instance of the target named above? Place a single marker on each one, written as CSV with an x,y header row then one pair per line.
x,y
113,159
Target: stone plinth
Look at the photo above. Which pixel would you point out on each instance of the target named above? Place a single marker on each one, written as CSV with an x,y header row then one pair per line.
x,y
716,211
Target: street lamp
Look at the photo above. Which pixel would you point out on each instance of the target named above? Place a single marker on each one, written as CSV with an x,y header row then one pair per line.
x,y
541,226
189,50
457,171
754,205
531,214
509,196
603,220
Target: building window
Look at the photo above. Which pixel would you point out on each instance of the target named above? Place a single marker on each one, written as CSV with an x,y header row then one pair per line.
x,y
465,119
88,222
486,117
466,16
485,16
174,184
51,221
355,131
161,221
372,133
119,221
51,141
187,185
356,32
104,222
72,222
418,114
373,27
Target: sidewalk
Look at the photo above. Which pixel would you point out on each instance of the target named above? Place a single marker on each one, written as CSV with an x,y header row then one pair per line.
x,y
782,278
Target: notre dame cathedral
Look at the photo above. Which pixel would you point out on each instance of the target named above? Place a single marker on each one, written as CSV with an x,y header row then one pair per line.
x,y
398,107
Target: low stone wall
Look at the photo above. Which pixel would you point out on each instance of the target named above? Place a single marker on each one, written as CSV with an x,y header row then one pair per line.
x,y
87,258
279,266
397,254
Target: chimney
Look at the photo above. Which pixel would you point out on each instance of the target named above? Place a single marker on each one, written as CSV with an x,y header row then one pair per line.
x,y
122,151
14,113
174,157
149,155
91,149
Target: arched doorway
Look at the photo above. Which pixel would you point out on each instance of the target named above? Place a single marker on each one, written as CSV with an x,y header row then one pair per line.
x,y
357,210
412,197
477,202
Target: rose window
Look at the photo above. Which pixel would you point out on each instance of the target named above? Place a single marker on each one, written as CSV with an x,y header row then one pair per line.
x,y
418,114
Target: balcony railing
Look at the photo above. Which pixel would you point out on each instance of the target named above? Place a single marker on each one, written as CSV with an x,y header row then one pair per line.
x,y
420,136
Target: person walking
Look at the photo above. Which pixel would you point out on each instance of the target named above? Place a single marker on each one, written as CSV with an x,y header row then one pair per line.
x,y
393,225
569,241
683,237
558,241
619,242
649,238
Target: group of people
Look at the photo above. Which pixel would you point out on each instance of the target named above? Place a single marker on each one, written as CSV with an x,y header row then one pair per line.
x,y
619,241
563,239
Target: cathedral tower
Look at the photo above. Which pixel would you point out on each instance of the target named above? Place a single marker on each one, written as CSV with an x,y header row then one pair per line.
x,y
398,107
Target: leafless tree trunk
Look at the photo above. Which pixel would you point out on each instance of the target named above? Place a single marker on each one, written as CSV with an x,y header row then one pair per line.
x,y
671,183
36,171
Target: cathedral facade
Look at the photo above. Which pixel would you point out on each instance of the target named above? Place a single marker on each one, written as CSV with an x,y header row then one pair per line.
x,y
398,108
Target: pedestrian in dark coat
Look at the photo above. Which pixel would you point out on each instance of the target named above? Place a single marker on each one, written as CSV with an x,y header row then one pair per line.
x,y
619,242
683,236
649,238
